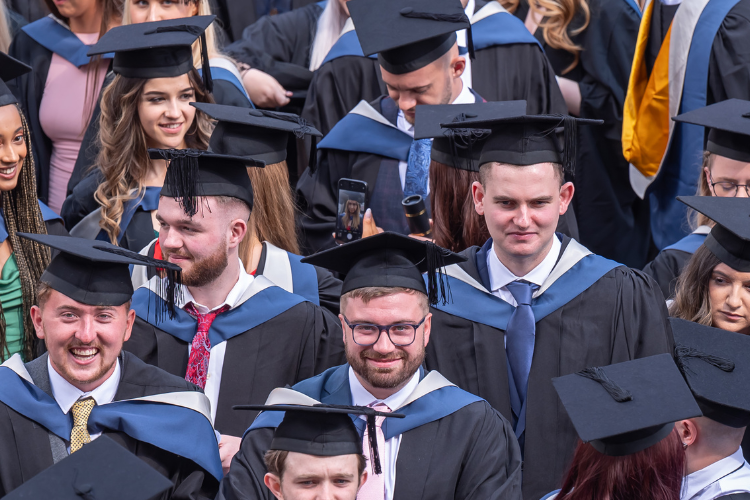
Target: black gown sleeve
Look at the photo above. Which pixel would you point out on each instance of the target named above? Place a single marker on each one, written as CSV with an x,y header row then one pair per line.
x,y
729,65
227,94
245,478
329,291
666,268
518,72
81,201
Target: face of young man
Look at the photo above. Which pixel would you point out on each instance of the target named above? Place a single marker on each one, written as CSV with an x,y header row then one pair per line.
x,y
521,206
83,341
384,368
308,477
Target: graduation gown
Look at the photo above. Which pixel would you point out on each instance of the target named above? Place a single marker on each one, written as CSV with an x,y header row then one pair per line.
x,y
669,263
453,445
34,431
590,312
34,45
273,338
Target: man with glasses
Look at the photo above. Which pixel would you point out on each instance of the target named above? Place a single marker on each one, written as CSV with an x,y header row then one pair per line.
x,y
450,444
725,172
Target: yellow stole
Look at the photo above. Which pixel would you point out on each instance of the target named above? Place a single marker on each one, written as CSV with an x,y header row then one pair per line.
x,y
645,125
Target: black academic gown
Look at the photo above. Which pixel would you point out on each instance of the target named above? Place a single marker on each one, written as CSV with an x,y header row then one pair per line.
x,y
621,316
666,268
729,66
612,220
27,450
470,454
300,342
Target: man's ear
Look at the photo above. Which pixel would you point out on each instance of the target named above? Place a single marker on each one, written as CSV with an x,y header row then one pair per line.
x,y
477,192
36,318
238,229
687,430
458,66
273,483
566,196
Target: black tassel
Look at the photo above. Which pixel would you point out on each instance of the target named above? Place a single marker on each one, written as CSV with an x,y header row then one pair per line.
x,y
570,144
597,374
464,138
682,353
182,177
313,160
438,287
373,438
300,132
470,42
208,81
433,16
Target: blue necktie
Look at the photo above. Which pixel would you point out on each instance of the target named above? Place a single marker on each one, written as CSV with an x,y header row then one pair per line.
x,y
418,168
519,345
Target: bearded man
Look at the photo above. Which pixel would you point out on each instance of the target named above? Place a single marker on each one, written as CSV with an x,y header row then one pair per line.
x,y
450,444
235,335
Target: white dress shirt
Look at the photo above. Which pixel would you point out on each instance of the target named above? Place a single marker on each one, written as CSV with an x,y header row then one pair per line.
x,y
66,394
217,352
727,476
461,36
500,275
465,97
388,456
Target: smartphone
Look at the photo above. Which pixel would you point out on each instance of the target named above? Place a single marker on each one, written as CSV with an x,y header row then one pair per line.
x,y
351,210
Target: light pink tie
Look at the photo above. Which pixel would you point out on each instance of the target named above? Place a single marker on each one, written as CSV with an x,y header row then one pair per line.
x,y
374,488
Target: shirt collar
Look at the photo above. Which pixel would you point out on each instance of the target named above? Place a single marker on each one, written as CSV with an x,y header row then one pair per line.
x,y
500,275
694,483
233,297
66,394
362,397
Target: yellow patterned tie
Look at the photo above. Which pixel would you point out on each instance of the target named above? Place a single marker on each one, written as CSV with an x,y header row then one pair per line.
x,y
80,433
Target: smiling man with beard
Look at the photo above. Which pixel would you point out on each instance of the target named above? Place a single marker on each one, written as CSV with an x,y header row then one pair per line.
x,y
450,444
235,335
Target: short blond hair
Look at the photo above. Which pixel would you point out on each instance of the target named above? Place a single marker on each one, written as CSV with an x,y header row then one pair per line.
x,y
373,292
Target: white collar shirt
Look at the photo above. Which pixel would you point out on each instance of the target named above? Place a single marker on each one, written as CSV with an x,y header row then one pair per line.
x,y
727,476
388,456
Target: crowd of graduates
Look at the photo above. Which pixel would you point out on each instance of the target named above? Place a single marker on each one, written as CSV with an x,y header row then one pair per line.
x,y
375,249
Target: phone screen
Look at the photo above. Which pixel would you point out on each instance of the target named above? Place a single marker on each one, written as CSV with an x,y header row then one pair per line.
x,y
351,210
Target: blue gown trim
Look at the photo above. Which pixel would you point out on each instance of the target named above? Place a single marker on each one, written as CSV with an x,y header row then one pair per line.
x,y
347,45
502,28
47,214
332,387
688,244
218,73
54,37
150,422
261,307
148,202
359,134
304,279
679,173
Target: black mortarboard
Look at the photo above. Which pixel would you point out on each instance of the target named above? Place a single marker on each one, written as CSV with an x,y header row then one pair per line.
x,y
460,148
10,68
714,364
323,430
389,260
159,49
529,139
100,470
408,34
729,127
624,408
729,239
96,272
256,133
193,173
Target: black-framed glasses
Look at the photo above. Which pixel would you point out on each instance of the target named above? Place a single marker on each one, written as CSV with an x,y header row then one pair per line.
x,y
400,334
727,189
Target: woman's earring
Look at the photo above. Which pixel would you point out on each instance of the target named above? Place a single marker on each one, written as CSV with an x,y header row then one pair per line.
x,y
684,446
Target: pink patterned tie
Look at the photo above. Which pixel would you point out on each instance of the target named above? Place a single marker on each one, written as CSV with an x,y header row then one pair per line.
x,y
200,350
374,488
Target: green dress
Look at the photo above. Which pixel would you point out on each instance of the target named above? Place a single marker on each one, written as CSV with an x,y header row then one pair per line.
x,y
11,300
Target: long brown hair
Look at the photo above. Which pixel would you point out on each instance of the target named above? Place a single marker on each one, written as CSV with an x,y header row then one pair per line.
x,y
273,215
23,215
456,224
654,473
555,24
356,218
696,219
123,158
691,301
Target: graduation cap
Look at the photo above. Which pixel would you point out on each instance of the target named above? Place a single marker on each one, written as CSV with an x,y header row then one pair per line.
x,y
529,139
10,68
323,430
456,147
101,470
714,364
408,34
97,273
159,49
729,239
390,260
625,408
729,127
260,134
194,173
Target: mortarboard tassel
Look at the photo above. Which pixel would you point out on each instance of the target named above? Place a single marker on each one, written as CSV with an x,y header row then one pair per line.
x,y
570,143
438,288
682,352
597,374
373,438
182,176
313,160
470,42
464,138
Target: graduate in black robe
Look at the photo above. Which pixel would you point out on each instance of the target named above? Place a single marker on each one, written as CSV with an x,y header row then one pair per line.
x,y
37,434
589,311
452,444
269,337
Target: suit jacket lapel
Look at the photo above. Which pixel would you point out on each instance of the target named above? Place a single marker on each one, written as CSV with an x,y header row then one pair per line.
x,y
39,374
